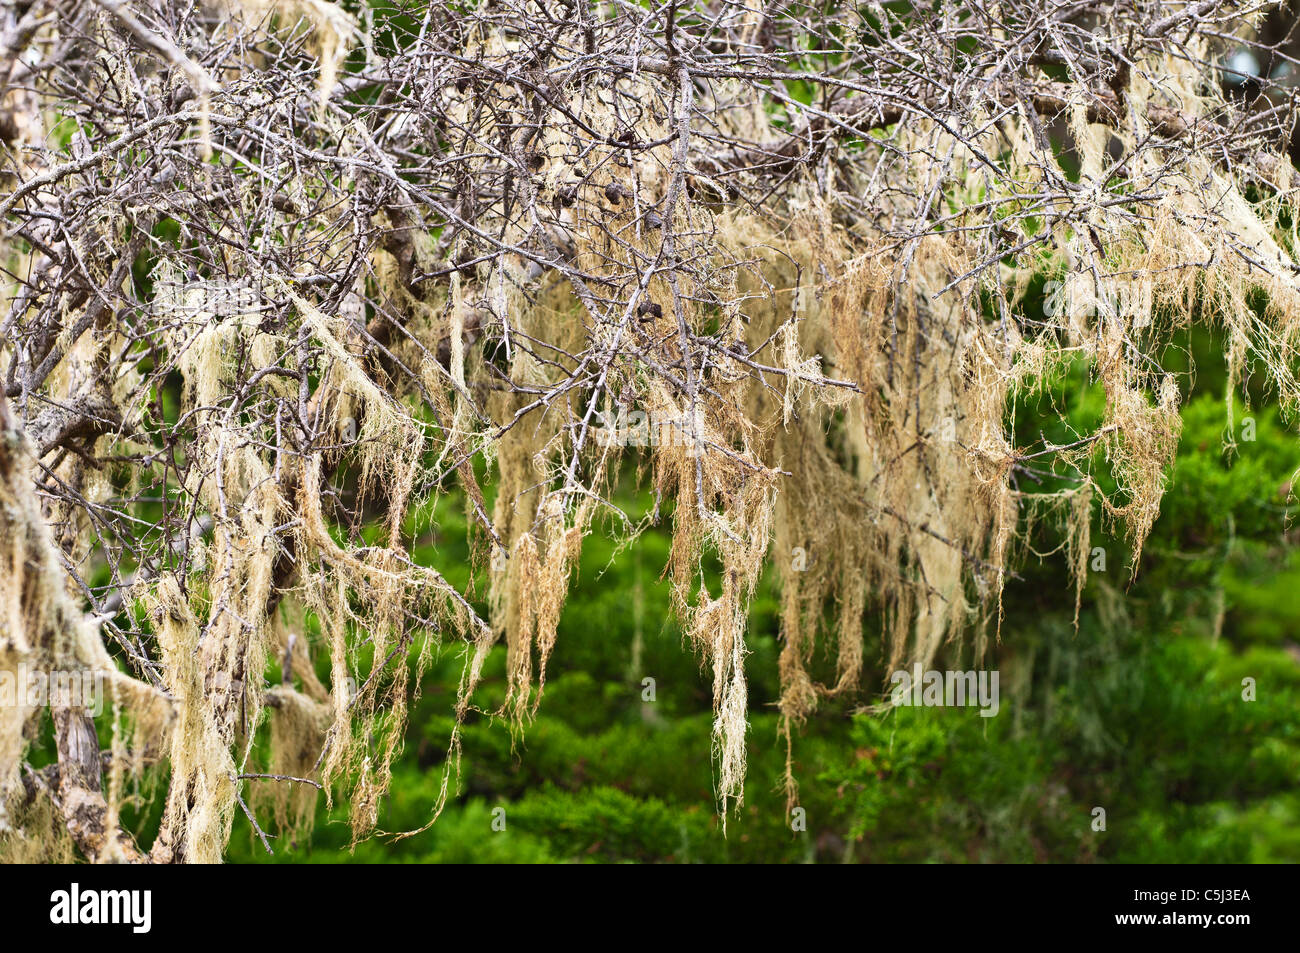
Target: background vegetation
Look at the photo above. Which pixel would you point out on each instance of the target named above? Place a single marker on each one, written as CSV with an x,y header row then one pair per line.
x,y
1139,712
